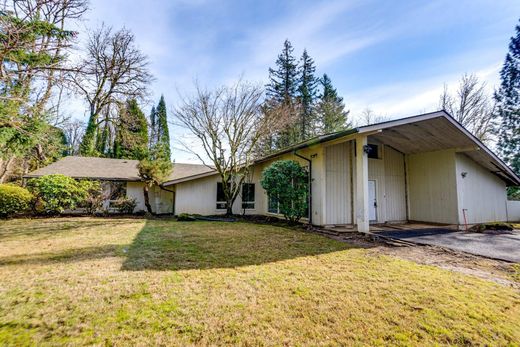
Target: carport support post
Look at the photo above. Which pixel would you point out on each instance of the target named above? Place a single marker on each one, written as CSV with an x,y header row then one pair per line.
x,y
362,218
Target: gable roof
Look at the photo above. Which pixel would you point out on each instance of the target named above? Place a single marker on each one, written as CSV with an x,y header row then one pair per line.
x,y
421,133
110,169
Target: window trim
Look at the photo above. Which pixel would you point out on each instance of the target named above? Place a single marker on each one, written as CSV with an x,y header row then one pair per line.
x,y
253,202
217,201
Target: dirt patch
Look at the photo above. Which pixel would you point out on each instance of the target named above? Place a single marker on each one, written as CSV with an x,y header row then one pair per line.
x,y
501,272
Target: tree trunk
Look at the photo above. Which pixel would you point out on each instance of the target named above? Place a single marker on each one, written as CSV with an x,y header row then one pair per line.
x,y
229,209
5,169
147,200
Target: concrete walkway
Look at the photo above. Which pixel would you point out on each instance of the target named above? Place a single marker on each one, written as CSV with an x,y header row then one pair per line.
x,y
497,245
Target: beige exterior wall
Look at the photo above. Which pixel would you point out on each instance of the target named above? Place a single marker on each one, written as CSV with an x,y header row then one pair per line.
x,y
338,193
421,187
135,190
513,211
199,196
481,194
395,186
161,200
432,187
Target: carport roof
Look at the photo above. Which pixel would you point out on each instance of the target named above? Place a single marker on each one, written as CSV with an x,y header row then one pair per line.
x,y
437,131
421,133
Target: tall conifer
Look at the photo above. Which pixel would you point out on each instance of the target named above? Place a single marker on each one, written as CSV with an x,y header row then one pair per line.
x,y
307,93
331,109
508,105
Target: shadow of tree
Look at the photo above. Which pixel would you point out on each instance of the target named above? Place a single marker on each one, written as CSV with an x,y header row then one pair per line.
x,y
65,256
17,228
163,245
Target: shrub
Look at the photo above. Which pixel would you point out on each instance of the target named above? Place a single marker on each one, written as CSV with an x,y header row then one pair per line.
x,y
125,205
184,217
56,193
13,200
94,199
286,183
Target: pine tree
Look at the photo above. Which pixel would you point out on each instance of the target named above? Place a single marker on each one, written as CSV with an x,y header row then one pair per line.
x,y
508,105
163,134
281,92
307,93
88,143
283,82
131,140
331,109
153,127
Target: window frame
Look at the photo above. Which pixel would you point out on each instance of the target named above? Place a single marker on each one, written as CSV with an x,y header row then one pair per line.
x,y
374,148
220,203
251,203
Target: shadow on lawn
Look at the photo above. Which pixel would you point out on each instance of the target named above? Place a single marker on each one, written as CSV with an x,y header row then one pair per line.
x,y
163,245
65,256
45,227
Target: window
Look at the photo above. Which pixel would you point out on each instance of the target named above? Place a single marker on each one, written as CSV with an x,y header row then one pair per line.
x,y
221,198
374,151
248,195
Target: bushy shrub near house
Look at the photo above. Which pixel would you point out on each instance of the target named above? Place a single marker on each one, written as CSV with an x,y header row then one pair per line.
x,y
125,205
286,183
56,193
14,200
94,198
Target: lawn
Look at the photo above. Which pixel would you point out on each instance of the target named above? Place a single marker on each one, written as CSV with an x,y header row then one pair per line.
x,y
159,282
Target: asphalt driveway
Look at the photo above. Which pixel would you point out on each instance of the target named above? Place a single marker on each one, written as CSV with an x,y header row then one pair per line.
x,y
503,245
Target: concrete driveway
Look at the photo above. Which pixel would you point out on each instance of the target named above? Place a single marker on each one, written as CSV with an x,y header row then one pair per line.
x,y
503,245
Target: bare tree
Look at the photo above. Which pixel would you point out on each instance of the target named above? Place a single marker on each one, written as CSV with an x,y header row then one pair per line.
x,y
471,106
73,130
229,124
113,70
368,117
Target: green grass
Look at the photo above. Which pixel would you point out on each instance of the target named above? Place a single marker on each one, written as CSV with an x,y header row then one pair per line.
x,y
84,281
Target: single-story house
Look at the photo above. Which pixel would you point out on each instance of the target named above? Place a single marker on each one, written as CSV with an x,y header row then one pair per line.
x,y
425,168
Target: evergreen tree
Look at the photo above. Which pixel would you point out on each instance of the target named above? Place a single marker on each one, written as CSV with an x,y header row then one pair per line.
x,y
153,127
331,109
508,105
88,143
307,93
281,92
131,140
283,82
163,134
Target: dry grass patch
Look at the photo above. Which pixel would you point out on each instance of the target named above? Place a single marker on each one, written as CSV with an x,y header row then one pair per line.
x,y
121,281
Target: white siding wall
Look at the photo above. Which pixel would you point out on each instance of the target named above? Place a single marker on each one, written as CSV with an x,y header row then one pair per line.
x,y
199,195
160,200
135,190
338,184
376,172
482,194
432,187
395,187
513,211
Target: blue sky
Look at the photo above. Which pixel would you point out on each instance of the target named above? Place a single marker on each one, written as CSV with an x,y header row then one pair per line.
x,y
390,56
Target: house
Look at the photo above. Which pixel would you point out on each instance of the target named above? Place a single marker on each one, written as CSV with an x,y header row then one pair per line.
x,y
120,177
424,168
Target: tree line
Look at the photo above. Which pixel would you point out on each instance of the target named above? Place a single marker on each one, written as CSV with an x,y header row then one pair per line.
x,y
37,75
311,104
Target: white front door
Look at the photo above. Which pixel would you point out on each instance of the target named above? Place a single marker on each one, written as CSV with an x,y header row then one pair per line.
x,y
372,200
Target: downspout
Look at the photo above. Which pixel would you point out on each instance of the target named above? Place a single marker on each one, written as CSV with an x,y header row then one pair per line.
x,y
310,181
